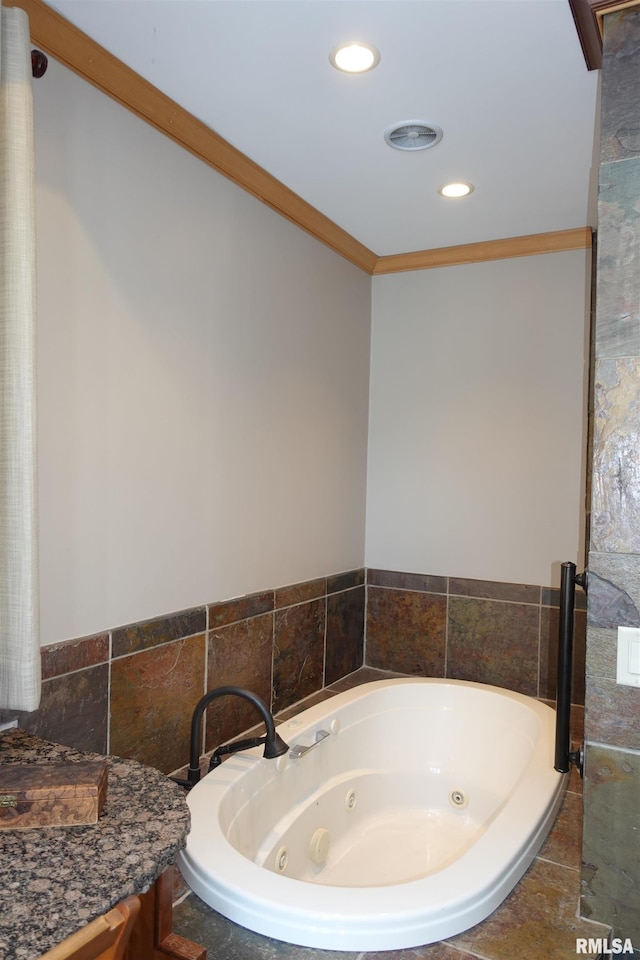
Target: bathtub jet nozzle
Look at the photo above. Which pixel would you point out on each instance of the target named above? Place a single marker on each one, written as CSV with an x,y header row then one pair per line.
x,y
274,745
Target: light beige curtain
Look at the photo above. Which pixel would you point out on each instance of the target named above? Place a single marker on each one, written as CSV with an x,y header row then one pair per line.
x,y
19,626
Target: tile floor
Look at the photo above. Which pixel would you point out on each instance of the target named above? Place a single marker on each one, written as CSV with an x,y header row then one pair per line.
x,y
537,921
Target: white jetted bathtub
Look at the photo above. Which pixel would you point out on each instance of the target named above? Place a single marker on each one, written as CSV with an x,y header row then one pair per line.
x,y
417,808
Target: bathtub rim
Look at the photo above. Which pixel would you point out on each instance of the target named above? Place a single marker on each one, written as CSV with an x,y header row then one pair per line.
x,y
282,911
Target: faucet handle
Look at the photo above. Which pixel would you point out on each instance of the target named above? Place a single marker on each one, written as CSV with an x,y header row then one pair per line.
x,y
298,749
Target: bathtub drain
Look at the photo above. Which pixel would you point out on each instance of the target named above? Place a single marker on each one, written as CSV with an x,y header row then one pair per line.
x,y
351,799
282,858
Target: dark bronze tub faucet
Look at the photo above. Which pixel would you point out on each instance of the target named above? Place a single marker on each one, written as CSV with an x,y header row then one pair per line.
x,y
274,745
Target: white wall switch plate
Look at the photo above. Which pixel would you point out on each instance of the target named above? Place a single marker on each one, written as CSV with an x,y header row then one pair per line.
x,y
628,669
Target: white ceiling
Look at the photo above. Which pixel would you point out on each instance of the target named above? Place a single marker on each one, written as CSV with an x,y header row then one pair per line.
x,y
505,79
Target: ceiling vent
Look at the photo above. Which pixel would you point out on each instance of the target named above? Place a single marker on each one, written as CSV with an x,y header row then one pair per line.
x,y
413,135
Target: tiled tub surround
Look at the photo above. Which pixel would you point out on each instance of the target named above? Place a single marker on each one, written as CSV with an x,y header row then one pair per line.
x,y
500,633
131,691
537,921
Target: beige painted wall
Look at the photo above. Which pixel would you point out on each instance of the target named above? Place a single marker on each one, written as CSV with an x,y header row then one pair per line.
x,y
203,378
476,426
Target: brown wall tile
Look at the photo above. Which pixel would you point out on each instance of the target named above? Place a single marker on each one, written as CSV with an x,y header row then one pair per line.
x,y
549,636
229,611
345,634
151,633
345,581
240,655
423,582
153,694
406,631
494,642
73,710
300,592
493,590
551,597
280,656
60,658
298,652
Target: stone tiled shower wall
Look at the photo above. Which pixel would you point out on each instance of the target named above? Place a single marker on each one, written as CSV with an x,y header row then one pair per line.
x,y
131,691
611,838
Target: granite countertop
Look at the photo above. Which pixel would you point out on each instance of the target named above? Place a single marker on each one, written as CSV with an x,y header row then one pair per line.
x,y
57,879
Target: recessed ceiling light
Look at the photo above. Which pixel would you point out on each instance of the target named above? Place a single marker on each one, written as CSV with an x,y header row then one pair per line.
x,y
457,189
354,57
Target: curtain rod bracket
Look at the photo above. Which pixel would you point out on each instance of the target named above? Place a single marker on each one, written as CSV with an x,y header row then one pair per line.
x,y
39,64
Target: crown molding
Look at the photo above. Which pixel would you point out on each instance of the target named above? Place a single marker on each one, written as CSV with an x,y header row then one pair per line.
x,y
79,53
527,246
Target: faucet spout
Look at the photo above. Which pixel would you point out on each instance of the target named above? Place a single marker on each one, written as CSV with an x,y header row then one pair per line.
x,y
274,745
